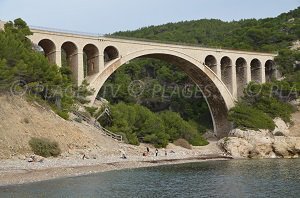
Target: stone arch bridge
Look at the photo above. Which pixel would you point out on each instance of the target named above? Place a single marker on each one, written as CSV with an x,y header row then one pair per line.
x,y
221,74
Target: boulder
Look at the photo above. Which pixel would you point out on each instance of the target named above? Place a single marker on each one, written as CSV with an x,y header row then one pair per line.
x,y
236,147
280,147
281,129
259,144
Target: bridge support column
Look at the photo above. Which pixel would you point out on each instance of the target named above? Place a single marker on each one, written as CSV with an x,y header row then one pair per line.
x,y
79,69
248,73
263,73
219,73
101,63
233,82
58,58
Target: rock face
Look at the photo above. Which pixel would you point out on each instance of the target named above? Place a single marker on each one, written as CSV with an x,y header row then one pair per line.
x,y
260,144
281,127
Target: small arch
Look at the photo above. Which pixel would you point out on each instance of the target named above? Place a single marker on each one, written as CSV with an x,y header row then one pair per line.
x,y
241,75
69,57
91,59
226,72
110,53
211,62
49,49
270,70
255,66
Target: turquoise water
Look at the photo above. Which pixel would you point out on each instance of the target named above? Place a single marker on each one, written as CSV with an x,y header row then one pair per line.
x,y
234,178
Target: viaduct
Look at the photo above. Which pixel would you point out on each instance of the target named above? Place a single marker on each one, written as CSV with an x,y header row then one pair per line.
x,y
221,74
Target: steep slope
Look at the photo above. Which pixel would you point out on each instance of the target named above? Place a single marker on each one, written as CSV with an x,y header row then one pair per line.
x,y
20,120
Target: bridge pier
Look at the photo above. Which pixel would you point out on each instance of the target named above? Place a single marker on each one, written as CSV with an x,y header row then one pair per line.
x,y
79,70
218,70
248,73
234,82
58,58
263,74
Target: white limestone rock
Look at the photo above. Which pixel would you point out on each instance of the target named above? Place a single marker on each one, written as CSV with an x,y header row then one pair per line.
x,y
281,127
235,147
259,144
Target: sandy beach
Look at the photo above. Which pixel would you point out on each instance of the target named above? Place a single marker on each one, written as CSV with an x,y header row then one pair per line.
x,y
20,171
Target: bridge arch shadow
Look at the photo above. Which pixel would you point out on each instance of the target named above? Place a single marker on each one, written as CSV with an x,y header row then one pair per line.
x,y
217,96
49,49
91,59
270,70
110,53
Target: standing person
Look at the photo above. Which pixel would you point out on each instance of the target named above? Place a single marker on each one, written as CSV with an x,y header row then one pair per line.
x,y
166,152
123,154
148,149
156,152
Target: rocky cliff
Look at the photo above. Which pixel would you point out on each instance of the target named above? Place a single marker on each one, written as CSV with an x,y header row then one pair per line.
x,y
283,142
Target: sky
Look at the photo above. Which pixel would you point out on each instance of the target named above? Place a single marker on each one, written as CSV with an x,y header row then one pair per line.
x,y
108,16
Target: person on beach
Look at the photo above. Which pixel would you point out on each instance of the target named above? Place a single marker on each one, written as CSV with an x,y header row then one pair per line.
x,y
156,152
148,150
166,152
123,155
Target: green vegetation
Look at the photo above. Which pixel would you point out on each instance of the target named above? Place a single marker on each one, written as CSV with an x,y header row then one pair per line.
x,y
247,117
44,147
269,34
270,98
165,87
139,124
262,103
22,68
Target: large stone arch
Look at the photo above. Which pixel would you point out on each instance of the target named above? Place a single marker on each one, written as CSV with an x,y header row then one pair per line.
x,y
217,95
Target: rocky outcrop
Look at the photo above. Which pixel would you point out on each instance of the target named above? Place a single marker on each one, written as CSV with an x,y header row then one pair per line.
x,y
260,144
281,128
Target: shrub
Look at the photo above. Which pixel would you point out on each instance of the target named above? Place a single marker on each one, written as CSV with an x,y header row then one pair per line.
x,y
159,140
244,116
44,147
183,143
63,114
91,110
132,139
198,140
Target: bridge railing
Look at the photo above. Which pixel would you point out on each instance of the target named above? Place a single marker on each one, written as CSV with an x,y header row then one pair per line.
x,y
66,31
183,43
98,126
142,39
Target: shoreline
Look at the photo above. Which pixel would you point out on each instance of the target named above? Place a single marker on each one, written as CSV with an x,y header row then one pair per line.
x,y
18,176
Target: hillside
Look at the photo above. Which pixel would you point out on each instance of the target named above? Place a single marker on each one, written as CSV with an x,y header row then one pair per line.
x,y
21,120
269,34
